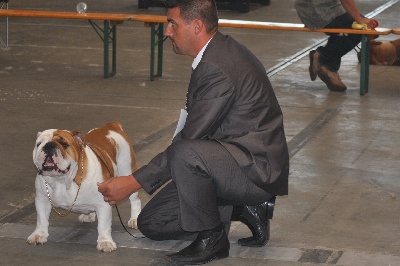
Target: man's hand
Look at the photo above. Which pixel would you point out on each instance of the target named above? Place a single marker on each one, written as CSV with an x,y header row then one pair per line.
x,y
119,188
371,23
351,8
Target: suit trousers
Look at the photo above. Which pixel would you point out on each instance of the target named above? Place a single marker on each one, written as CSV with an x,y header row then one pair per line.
x,y
206,183
338,45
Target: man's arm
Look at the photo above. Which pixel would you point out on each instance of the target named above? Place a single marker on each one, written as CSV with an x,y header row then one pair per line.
x,y
117,189
351,8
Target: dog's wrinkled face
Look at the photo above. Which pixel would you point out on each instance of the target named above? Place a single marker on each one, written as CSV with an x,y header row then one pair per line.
x,y
55,152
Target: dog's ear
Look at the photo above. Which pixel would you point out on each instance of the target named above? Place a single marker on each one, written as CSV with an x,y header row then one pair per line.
x,y
375,42
396,44
79,138
38,134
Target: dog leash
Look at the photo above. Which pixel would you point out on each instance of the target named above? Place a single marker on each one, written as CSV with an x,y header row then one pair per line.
x,y
100,154
120,219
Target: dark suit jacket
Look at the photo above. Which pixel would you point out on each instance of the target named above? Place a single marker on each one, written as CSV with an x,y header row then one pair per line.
x,y
230,99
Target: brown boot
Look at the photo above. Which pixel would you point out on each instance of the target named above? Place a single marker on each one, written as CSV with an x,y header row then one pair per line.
x,y
331,79
315,66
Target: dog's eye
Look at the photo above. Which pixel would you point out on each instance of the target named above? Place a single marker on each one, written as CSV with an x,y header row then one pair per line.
x,y
64,144
38,144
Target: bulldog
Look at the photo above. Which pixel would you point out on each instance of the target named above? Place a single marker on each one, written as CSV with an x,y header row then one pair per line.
x,y
384,53
69,166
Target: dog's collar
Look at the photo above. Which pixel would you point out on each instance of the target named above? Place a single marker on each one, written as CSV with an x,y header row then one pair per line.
x,y
69,210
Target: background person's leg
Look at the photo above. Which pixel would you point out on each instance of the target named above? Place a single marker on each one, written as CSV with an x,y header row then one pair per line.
x,y
338,45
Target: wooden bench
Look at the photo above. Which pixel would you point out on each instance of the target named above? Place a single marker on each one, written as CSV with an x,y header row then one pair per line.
x,y
109,31
157,35
396,31
365,40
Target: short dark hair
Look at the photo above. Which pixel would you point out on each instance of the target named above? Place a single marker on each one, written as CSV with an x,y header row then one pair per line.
x,y
206,10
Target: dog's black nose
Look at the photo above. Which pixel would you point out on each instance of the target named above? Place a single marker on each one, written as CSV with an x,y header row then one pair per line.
x,y
49,148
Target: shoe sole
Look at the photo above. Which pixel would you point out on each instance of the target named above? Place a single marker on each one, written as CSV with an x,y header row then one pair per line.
x,y
216,257
243,243
332,87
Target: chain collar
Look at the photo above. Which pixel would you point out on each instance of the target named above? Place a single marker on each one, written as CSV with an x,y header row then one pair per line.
x,y
69,210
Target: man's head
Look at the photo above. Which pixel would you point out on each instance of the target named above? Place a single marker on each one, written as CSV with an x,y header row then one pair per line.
x,y
191,23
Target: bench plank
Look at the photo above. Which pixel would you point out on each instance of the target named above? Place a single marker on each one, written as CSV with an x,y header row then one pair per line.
x,y
85,16
108,34
396,31
295,27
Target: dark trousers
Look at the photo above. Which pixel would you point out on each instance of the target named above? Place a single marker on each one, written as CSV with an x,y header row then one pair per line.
x,y
338,45
206,183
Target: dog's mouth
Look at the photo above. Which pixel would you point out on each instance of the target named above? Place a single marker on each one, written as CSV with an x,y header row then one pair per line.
x,y
51,168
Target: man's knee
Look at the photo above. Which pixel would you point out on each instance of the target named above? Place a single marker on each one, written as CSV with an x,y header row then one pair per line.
x,y
156,229
149,228
179,150
191,150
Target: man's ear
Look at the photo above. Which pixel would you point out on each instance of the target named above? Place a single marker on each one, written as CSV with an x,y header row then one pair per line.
x,y
198,26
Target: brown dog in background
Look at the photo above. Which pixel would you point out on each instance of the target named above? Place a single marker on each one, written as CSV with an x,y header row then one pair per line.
x,y
385,53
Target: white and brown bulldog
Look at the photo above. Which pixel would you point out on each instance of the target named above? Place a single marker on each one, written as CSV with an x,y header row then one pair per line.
x,y
69,167
383,53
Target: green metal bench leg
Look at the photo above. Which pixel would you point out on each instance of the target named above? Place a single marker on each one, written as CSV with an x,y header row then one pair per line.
x,y
153,43
106,41
114,50
106,51
364,75
105,36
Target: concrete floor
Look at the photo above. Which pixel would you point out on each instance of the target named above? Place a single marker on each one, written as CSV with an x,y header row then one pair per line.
x,y
343,206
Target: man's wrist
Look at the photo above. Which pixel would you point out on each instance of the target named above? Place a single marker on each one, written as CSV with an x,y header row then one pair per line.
x,y
135,184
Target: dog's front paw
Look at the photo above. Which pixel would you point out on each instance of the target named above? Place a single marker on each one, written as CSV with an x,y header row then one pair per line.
x,y
37,237
132,223
87,218
106,246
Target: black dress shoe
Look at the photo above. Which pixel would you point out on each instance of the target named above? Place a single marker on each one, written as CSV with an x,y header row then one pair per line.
x,y
209,245
257,219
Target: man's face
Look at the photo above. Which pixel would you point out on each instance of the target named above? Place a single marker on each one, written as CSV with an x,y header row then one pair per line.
x,y
180,33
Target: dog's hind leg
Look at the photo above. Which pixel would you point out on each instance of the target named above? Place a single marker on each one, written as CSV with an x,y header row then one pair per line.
x,y
136,207
126,164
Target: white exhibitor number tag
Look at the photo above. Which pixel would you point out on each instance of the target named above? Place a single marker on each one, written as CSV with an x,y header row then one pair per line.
x,y
181,122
